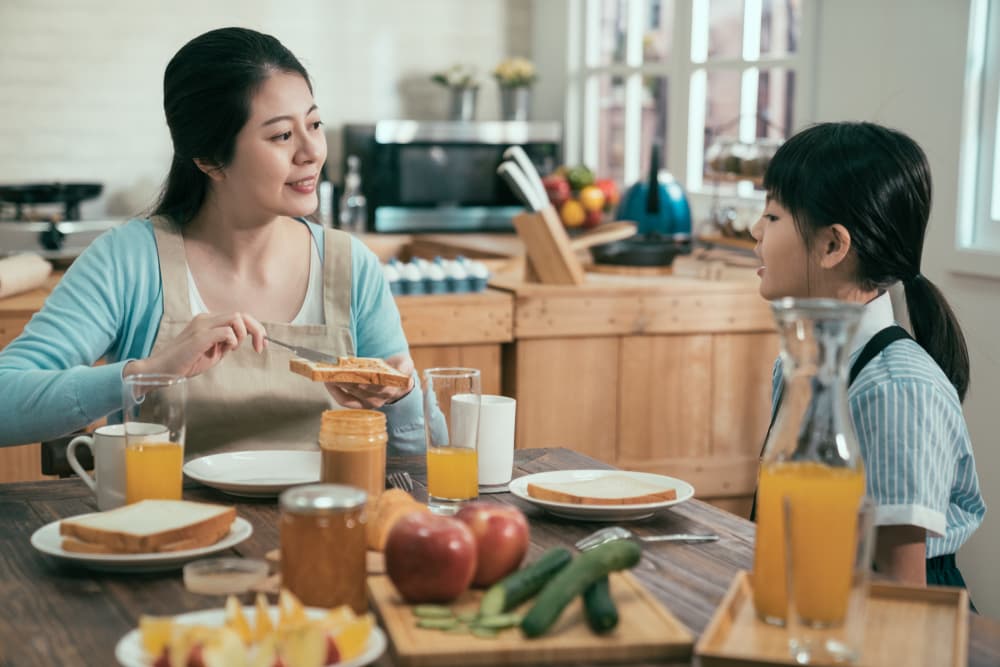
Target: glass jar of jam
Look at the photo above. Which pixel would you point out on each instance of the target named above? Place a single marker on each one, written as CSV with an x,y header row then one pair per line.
x,y
323,545
353,444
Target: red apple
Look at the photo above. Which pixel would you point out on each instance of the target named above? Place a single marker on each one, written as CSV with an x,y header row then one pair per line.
x,y
430,558
610,190
557,187
501,533
593,219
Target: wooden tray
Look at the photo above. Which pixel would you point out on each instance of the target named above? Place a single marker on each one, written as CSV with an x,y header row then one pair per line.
x,y
646,630
905,626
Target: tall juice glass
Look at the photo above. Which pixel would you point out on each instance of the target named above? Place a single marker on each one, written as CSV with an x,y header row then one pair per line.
x,y
452,399
153,465
812,459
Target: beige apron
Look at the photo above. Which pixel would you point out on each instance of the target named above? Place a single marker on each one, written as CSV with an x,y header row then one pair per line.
x,y
250,400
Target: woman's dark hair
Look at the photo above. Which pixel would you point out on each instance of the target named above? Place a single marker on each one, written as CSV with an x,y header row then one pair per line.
x,y
208,88
876,183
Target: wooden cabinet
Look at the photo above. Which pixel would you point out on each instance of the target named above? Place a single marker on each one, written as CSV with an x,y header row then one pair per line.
x,y
668,376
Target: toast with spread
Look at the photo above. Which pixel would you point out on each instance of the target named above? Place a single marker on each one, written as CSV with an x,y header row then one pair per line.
x,y
351,370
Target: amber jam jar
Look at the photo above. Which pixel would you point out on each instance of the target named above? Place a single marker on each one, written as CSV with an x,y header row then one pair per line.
x,y
323,545
353,444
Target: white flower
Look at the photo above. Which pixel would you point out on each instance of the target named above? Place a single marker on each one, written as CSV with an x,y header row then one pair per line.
x,y
515,72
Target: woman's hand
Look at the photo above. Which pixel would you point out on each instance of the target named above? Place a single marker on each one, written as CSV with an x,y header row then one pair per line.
x,y
201,345
372,395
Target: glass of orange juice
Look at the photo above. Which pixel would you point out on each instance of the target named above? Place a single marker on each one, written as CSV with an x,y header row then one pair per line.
x,y
154,418
451,423
829,547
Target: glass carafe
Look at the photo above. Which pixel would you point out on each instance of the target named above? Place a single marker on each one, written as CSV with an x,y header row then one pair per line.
x,y
812,458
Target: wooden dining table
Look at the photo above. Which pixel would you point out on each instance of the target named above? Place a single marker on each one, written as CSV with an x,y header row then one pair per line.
x,y
53,613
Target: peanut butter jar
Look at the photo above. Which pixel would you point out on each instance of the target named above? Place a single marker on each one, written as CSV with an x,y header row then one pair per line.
x,y
353,445
323,545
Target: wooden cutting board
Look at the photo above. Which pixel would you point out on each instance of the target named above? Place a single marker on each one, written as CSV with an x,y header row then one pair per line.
x,y
646,630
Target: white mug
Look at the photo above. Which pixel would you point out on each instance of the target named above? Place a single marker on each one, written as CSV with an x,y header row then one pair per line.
x,y
496,441
108,448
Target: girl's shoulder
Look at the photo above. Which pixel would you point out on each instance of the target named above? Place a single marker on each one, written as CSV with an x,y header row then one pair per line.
x,y
905,365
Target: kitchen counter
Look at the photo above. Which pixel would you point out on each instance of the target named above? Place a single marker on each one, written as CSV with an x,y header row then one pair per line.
x,y
663,374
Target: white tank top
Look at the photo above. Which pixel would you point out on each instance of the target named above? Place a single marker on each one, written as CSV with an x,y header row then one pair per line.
x,y
311,311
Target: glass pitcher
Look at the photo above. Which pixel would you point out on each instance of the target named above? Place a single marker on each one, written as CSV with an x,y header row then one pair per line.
x,y
812,458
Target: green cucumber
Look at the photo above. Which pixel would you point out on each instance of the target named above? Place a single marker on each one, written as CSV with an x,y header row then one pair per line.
x,y
523,584
599,607
575,578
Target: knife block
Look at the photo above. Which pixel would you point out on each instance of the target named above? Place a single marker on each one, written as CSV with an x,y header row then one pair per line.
x,y
550,258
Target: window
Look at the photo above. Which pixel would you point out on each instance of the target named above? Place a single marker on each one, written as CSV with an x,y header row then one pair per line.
x,y
979,198
681,73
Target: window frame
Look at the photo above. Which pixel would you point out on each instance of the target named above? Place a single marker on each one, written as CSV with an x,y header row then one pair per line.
x,y
684,154
977,233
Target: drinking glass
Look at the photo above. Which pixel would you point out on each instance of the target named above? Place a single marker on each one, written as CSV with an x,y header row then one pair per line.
x,y
153,465
451,423
829,554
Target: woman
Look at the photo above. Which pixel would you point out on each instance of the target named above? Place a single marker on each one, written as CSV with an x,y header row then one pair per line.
x,y
226,259
847,208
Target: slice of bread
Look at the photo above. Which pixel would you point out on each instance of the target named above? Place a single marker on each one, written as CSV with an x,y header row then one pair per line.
x,y
148,526
608,490
351,370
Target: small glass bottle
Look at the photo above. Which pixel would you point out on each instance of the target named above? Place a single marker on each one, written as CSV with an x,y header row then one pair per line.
x,y
353,205
353,446
324,545
812,459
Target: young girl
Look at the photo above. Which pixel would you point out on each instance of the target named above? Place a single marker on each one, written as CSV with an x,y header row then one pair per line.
x,y
847,208
226,257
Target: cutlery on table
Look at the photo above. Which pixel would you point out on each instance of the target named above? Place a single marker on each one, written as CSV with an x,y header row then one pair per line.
x,y
399,480
305,352
611,533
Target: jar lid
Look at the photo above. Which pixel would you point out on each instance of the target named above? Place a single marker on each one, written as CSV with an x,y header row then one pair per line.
x,y
352,422
322,498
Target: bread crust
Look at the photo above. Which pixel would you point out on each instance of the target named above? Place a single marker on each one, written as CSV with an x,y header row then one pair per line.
x,y
543,492
351,370
81,538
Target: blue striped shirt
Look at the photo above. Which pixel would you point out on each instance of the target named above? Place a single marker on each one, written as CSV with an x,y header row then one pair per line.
x,y
919,463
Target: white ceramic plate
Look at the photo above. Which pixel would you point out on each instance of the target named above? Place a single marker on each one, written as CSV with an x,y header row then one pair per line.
x,y
47,540
129,651
256,474
519,487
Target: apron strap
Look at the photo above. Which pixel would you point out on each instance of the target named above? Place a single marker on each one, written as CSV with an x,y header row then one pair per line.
x,y
337,278
872,349
173,269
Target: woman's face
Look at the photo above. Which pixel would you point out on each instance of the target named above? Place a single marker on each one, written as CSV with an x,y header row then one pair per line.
x,y
784,259
279,152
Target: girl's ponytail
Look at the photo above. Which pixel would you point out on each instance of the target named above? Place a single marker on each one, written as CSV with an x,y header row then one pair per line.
x,y
937,331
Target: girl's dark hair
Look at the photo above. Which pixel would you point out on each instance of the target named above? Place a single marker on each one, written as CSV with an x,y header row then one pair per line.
x,y
207,92
876,183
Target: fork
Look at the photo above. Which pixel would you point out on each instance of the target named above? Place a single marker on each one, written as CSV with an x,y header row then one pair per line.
x,y
399,480
611,533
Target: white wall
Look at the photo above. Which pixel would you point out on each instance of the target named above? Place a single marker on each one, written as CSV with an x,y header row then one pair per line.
x,y
81,80
901,63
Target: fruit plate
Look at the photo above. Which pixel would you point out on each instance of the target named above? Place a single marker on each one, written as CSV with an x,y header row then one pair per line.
x,y
519,487
255,474
48,541
130,653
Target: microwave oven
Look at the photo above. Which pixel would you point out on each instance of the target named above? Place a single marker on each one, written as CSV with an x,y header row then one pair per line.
x,y
420,176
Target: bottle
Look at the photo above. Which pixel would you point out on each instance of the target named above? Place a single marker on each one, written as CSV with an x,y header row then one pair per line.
x,y
325,192
324,545
353,448
353,206
812,458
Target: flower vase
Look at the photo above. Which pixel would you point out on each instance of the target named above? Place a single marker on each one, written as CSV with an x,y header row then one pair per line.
x,y
515,103
463,104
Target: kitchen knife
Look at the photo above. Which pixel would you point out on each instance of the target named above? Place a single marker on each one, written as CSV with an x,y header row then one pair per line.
x,y
306,353
520,185
528,167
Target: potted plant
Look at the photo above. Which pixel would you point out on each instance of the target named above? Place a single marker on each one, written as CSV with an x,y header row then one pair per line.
x,y
462,81
515,76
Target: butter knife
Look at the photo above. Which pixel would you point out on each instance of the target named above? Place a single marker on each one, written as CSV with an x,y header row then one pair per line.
x,y
305,352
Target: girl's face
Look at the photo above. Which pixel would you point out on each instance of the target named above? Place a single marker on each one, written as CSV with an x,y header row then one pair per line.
x,y
785,261
279,152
